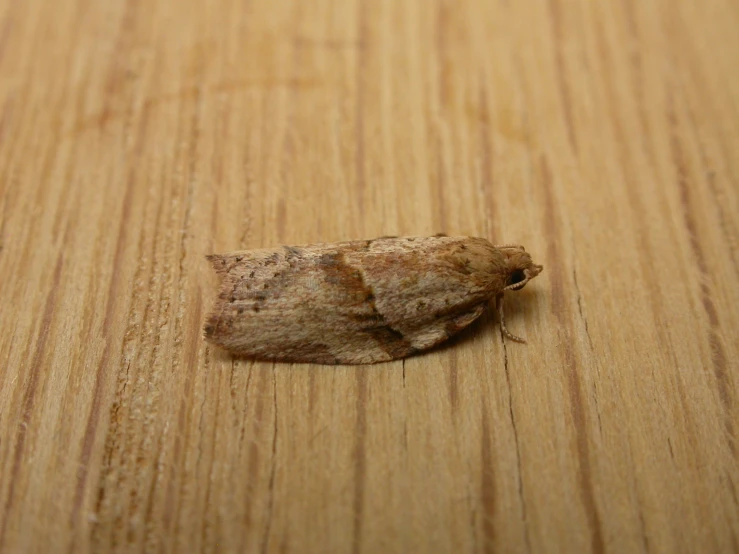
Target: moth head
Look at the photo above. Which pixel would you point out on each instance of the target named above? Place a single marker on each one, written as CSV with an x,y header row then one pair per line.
x,y
520,267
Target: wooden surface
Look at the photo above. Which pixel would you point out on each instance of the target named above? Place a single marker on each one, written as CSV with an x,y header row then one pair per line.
x,y
136,137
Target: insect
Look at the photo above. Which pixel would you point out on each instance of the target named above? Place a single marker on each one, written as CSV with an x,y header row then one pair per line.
x,y
362,301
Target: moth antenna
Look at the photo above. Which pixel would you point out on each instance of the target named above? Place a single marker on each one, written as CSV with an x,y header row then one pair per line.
x,y
503,327
518,285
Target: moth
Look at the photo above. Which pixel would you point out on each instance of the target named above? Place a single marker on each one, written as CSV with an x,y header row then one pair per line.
x,y
359,302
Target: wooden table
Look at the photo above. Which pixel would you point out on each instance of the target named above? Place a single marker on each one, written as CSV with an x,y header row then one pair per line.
x,y
136,137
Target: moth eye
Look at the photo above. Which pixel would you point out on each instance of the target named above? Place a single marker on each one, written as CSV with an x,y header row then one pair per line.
x,y
516,277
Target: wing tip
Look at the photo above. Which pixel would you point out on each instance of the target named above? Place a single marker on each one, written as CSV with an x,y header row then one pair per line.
x,y
210,326
219,262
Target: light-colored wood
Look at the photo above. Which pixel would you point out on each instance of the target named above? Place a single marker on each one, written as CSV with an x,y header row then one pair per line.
x,y
136,137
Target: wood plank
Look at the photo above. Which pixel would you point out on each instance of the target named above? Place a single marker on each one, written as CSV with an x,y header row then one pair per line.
x,y
137,137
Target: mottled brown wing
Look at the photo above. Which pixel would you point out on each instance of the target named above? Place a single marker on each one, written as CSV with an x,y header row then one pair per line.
x,y
438,331
354,302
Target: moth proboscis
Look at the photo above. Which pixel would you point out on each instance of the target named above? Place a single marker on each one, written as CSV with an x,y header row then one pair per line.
x,y
360,302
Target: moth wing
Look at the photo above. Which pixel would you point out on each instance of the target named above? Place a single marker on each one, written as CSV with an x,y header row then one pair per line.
x,y
384,343
299,304
243,275
237,262
418,281
351,303
445,328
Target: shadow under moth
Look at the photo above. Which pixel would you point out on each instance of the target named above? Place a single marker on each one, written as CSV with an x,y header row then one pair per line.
x,y
359,302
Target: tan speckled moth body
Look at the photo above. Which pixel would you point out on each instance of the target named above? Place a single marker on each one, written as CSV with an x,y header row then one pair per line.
x,y
359,302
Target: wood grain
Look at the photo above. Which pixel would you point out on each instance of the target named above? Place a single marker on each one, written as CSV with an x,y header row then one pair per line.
x,y
136,137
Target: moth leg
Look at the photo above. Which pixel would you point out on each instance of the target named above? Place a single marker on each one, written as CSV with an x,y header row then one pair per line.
x,y
503,328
